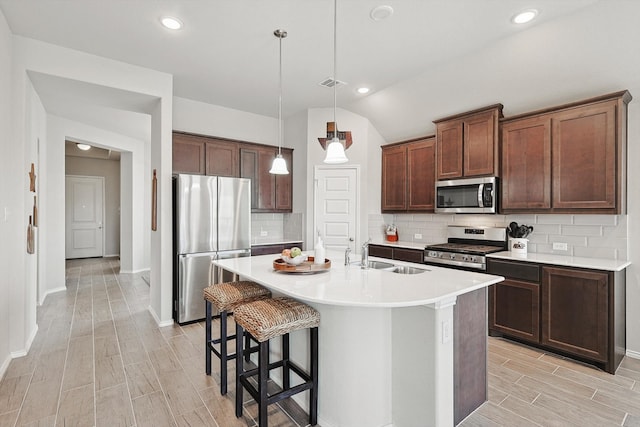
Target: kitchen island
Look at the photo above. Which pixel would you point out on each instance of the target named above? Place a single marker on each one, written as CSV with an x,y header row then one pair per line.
x,y
386,339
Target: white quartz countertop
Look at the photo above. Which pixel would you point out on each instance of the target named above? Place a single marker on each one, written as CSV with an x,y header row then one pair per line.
x,y
569,261
352,286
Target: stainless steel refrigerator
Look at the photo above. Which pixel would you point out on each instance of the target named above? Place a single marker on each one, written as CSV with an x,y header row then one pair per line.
x,y
211,220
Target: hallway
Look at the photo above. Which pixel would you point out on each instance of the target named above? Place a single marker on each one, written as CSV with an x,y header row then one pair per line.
x,y
100,359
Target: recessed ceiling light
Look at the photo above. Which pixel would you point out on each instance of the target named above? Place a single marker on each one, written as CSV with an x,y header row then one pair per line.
x,y
363,90
524,16
379,13
83,147
171,23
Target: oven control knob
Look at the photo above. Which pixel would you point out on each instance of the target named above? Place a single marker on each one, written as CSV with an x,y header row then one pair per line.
x,y
433,254
465,257
452,256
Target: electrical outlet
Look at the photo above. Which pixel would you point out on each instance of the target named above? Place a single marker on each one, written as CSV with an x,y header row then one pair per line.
x,y
264,233
417,236
559,246
446,331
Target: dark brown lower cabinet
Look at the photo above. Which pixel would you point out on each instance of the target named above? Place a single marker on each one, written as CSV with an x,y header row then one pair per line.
x,y
514,309
576,307
273,248
576,312
400,254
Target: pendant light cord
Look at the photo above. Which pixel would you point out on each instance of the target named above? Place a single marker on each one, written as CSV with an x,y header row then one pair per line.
x,y
280,101
335,61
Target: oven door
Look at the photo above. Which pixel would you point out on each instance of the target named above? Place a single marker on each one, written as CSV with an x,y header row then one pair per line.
x,y
475,195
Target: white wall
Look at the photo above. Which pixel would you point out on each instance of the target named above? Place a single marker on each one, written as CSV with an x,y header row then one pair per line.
x,y
8,238
366,144
213,120
46,59
110,170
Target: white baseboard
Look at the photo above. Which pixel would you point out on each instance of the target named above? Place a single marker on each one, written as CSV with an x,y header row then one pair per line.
x,y
5,365
633,354
161,324
51,291
142,270
25,351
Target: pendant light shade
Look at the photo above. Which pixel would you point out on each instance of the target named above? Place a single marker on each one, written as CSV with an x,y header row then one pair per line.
x,y
335,149
279,166
335,153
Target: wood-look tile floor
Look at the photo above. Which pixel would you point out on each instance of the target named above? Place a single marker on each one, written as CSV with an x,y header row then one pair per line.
x,y
100,359
530,387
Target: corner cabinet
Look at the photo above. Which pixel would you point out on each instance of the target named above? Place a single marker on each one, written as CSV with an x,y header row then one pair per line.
x,y
573,311
205,155
467,144
408,176
570,159
269,193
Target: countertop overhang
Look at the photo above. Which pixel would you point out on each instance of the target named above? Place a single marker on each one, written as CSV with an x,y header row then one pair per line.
x,y
356,287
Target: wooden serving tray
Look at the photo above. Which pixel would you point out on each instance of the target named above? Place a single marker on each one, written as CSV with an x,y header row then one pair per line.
x,y
307,266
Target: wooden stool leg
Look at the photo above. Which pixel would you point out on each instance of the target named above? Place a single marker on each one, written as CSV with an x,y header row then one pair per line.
x,y
263,375
313,393
239,371
207,350
247,346
286,371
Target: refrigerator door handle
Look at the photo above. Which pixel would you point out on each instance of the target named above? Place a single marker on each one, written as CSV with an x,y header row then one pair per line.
x,y
212,270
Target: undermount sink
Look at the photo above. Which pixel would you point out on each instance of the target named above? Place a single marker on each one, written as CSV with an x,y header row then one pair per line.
x,y
405,269
376,265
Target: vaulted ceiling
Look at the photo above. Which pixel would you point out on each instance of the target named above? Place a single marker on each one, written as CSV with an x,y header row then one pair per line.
x,y
227,55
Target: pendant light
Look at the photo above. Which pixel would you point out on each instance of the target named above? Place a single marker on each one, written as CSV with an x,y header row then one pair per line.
x,y
335,149
279,166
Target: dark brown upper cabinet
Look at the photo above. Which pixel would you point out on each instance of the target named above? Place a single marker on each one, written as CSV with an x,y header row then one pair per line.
x,y
270,193
569,159
408,176
188,154
467,144
526,164
205,155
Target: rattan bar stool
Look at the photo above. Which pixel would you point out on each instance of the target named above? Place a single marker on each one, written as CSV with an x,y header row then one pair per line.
x,y
266,319
226,297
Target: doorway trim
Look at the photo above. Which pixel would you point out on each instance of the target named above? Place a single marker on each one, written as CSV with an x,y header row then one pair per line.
x,y
358,224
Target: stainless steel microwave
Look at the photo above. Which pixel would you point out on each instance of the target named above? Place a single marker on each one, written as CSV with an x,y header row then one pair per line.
x,y
473,195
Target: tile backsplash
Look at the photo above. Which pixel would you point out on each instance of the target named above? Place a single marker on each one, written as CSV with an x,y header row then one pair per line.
x,y
592,236
276,227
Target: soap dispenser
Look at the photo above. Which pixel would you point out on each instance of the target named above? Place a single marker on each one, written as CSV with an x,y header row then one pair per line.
x,y
319,253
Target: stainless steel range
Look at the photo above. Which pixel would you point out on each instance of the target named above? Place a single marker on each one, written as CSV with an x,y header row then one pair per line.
x,y
466,247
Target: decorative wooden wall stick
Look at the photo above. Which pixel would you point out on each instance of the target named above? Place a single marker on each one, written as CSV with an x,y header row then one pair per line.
x,y
35,211
154,202
30,239
32,179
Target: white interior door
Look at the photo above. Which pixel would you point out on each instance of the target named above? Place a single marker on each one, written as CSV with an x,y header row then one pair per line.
x,y
84,201
336,207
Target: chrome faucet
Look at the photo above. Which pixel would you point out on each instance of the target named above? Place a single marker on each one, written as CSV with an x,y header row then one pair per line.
x,y
347,259
364,253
